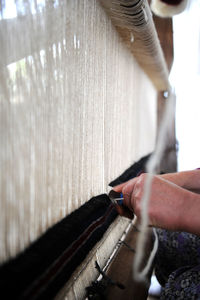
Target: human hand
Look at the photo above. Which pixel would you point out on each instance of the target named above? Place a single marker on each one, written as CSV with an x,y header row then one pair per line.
x,y
166,202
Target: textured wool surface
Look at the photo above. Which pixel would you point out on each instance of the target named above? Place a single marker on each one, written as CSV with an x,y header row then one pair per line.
x,y
135,170
53,260
76,110
40,271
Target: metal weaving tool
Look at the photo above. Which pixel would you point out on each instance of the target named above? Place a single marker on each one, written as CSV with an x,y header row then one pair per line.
x,y
116,198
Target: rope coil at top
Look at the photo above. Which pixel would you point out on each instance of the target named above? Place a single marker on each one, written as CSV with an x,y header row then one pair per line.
x,y
133,20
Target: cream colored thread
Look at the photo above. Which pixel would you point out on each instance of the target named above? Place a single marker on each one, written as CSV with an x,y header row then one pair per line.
x,y
151,170
146,47
56,113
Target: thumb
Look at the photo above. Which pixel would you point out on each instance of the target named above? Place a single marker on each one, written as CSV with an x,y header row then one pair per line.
x,y
129,183
118,188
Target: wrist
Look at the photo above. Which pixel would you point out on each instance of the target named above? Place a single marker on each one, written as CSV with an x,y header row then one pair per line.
x,y
175,178
189,180
189,214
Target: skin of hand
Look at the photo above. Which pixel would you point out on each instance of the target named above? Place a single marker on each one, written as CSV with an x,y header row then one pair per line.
x,y
189,180
170,206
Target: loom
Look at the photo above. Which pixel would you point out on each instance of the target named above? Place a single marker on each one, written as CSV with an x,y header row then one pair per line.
x,y
79,85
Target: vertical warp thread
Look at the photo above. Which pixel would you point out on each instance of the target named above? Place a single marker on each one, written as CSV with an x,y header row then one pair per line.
x,y
59,64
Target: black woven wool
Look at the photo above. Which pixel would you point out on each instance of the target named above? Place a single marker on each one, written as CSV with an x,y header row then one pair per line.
x,y
46,265
134,170
26,276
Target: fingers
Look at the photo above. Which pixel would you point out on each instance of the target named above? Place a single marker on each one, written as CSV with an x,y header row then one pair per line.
x,y
129,190
162,202
118,188
124,211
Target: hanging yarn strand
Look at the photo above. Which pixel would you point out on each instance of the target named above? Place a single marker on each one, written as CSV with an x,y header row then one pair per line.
x,y
151,169
133,20
69,90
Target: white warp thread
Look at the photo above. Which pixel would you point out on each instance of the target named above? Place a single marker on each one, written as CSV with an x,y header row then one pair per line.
x,y
151,170
69,89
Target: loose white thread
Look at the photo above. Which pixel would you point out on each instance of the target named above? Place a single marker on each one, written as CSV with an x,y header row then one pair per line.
x,y
151,170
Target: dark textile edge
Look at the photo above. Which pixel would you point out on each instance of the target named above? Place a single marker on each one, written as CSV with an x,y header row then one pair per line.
x,y
135,170
42,269
45,266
